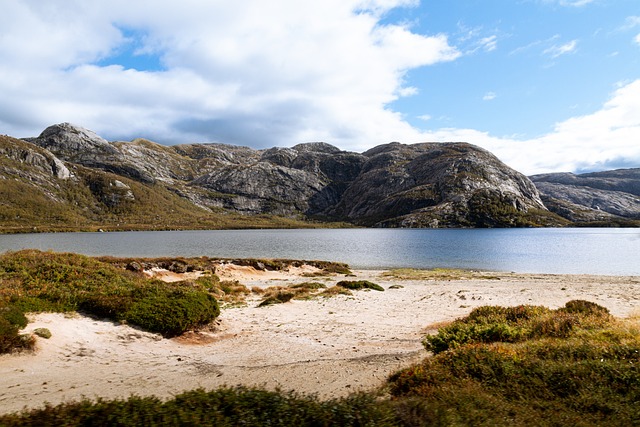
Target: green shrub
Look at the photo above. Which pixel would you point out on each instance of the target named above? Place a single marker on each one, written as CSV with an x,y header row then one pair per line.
x,y
172,313
209,281
311,286
34,281
525,366
12,319
42,333
224,408
359,284
514,324
277,298
14,316
106,306
233,287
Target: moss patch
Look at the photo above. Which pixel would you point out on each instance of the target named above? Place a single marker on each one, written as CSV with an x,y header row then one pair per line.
x,y
359,284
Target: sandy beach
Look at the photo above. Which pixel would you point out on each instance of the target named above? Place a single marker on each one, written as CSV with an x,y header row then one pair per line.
x,y
326,346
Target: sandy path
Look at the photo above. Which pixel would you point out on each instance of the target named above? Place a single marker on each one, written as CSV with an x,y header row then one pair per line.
x,y
326,346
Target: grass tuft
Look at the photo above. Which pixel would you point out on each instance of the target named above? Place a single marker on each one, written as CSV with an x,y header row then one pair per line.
x,y
436,274
359,284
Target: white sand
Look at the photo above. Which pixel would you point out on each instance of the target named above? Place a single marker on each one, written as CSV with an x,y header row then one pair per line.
x,y
330,347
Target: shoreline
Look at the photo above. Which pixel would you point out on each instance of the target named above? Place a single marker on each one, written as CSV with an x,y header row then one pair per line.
x,y
325,346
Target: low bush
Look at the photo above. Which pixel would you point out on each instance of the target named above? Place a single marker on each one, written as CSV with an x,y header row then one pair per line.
x,y
230,291
359,284
278,297
310,286
299,291
42,333
224,407
12,319
329,267
172,312
526,366
14,316
34,281
514,324
208,281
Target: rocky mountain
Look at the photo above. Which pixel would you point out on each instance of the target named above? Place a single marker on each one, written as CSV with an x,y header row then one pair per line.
x,y
86,180
610,196
439,185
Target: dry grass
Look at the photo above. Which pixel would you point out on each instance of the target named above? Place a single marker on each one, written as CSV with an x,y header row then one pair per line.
x,y
436,274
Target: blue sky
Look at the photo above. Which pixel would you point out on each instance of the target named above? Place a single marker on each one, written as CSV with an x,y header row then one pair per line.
x,y
528,64
546,85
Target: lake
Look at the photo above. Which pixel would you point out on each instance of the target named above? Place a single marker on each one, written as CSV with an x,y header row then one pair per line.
x,y
613,251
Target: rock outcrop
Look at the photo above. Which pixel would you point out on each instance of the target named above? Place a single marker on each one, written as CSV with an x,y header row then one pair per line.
x,y
438,185
141,160
600,196
41,160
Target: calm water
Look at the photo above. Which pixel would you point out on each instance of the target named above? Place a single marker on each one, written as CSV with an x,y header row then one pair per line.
x,y
567,250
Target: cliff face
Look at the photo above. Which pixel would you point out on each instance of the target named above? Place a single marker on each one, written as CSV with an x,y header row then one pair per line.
x,y
601,196
438,185
392,185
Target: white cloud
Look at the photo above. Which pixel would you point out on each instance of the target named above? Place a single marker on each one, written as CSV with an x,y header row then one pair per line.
x,y
407,91
558,50
489,43
630,23
605,139
570,3
245,72
425,117
575,3
637,39
489,96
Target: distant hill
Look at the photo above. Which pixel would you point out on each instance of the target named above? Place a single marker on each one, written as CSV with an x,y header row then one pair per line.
x,y
70,178
610,197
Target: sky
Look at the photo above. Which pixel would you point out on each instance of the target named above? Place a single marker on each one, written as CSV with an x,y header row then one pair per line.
x,y
545,85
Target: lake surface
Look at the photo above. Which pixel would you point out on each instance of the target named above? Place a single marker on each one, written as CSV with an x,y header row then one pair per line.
x,y
546,250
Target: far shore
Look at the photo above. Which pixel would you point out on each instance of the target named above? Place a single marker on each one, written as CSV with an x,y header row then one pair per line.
x,y
326,346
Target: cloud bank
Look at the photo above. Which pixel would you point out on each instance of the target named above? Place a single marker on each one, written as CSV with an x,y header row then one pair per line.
x,y
273,73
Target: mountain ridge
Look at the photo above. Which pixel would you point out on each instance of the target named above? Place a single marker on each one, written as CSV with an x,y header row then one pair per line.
x,y
95,181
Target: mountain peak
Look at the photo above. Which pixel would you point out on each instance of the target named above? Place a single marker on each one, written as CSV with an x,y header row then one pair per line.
x,y
67,140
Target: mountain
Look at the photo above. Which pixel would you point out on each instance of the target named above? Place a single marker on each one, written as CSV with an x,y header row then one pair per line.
x,y
611,197
70,178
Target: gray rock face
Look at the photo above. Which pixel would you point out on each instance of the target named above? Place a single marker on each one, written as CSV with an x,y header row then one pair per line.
x,y
73,143
435,185
598,196
304,180
141,160
40,159
392,185
624,180
263,188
